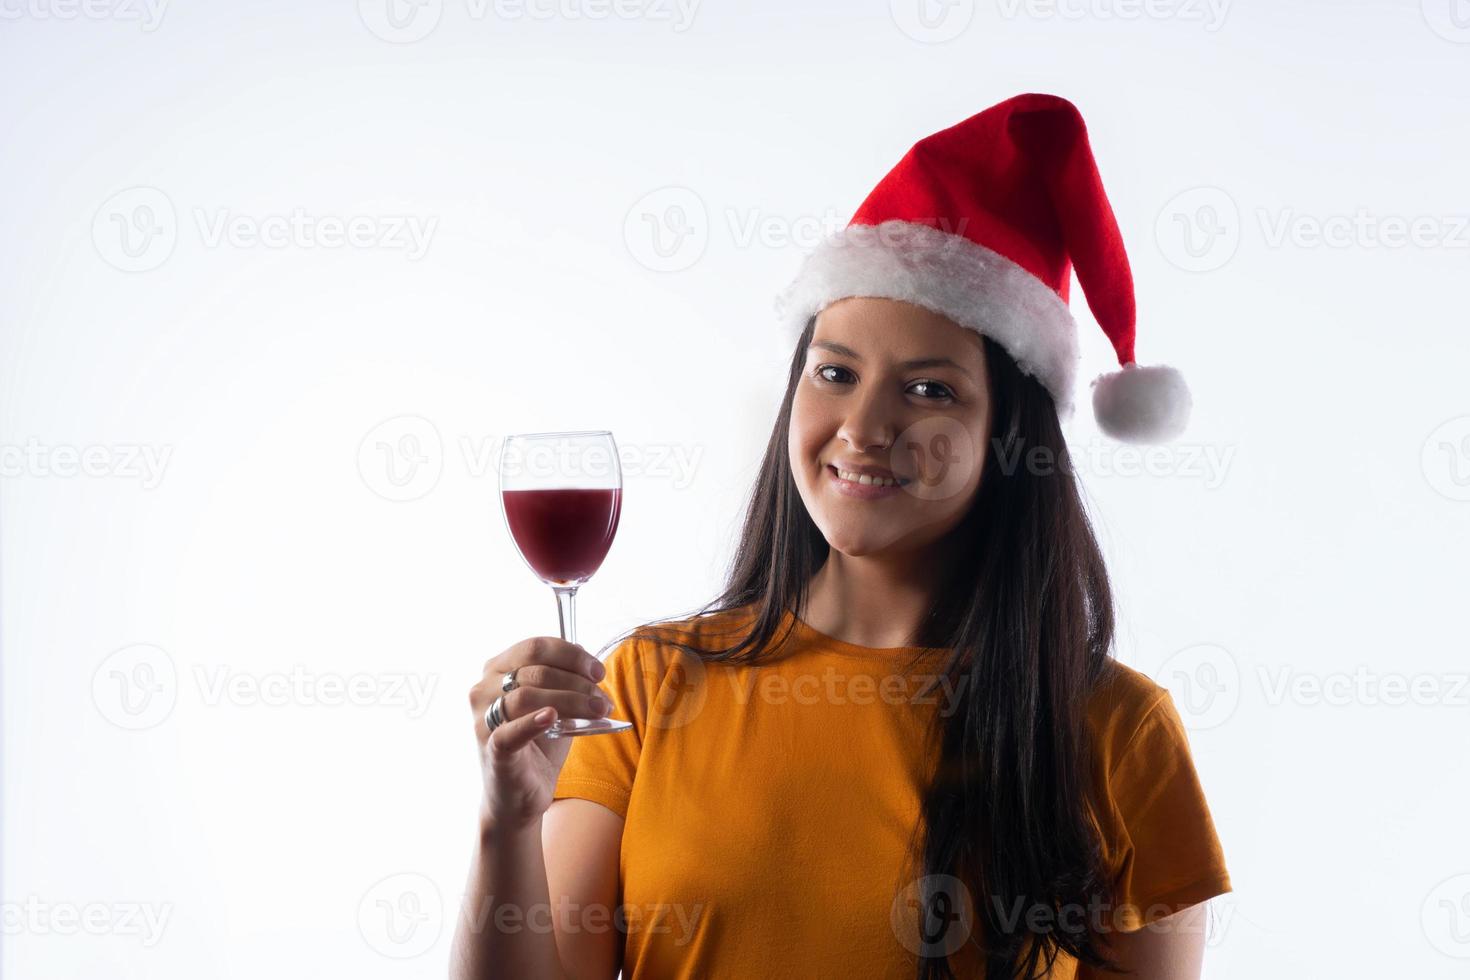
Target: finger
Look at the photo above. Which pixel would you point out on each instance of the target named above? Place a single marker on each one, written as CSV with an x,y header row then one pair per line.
x,y
552,652
524,701
540,675
517,733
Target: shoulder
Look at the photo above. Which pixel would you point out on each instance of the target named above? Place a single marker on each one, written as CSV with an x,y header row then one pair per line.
x,y
656,648
1158,838
1124,703
1124,693
656,678
706,631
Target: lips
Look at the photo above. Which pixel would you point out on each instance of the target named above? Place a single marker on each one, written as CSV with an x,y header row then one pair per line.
x,y
860,490
865,474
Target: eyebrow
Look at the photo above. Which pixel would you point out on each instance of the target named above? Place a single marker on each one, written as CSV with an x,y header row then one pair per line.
x,y
918,362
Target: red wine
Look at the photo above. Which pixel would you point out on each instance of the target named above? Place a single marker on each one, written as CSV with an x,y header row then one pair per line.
x,y
563,534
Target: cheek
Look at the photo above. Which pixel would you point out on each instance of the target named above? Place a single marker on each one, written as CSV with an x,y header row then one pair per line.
x,y
975,476
806,431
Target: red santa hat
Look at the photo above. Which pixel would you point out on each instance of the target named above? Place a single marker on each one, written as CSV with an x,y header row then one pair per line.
x,y
983,222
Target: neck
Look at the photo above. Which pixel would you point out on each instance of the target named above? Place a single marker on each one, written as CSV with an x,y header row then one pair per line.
x,y
874,600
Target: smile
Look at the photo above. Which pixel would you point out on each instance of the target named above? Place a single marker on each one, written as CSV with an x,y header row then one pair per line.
x,y
863,487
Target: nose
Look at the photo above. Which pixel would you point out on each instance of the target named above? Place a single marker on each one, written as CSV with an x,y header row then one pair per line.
x,y
870,423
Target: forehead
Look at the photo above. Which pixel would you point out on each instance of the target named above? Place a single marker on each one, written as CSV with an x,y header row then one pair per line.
x,y
886,329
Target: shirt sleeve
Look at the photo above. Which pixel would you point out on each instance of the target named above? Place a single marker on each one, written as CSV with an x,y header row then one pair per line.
x,y
601,768
1167,856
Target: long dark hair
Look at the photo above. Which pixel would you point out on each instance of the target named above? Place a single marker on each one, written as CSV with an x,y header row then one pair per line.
x,y
1026,616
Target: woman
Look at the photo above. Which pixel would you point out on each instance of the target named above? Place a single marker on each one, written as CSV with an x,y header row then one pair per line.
x,y
896,745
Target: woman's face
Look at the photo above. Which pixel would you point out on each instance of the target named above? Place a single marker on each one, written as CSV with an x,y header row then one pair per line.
x,y
895,387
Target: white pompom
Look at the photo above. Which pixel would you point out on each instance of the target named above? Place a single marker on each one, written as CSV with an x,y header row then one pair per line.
x,y
1141,404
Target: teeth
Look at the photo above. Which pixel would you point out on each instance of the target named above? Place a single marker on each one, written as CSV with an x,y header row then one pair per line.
x,y
876,481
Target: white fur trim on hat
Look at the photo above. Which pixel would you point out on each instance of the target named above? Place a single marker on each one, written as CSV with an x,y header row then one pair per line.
x,y
951,275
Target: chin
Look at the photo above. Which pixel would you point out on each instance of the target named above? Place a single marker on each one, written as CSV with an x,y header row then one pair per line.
x,y
858,545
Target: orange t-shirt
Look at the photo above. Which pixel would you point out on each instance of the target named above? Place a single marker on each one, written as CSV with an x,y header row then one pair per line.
x,y
768,809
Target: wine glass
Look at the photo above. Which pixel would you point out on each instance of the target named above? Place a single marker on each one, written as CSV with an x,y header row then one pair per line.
x,y
561,494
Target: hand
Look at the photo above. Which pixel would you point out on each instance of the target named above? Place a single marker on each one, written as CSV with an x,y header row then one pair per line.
x,y
520,767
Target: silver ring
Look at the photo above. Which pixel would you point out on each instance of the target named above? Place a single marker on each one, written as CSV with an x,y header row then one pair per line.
x,y
495,717
508,682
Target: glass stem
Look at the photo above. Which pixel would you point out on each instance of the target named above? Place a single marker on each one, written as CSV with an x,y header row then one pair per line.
x,y
566,611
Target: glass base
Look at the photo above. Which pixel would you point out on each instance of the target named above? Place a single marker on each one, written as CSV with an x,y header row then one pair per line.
x,y
572,727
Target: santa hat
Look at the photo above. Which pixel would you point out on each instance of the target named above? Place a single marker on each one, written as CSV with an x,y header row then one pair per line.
x,y
983,222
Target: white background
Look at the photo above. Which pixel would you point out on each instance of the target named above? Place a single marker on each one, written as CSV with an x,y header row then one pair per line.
x,y
327,415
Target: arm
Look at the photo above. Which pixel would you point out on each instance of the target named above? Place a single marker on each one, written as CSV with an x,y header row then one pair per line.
x,y
540,865
510,927
583,842
1171,948
1164,857
507,877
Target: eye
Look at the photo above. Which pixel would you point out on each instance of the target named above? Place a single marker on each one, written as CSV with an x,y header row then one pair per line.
x,y
821,368
945,393
942,393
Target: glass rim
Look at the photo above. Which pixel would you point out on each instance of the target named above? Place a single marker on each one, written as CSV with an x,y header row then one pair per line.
x,y
538,435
